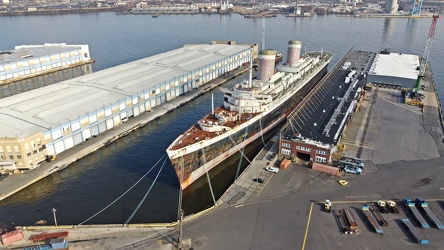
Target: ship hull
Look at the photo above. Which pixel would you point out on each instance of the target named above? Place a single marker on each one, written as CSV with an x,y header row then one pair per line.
x,y
193,165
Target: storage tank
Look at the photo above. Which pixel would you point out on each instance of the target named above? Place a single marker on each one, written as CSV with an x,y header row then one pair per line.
x,y
294,51
391,6
266,63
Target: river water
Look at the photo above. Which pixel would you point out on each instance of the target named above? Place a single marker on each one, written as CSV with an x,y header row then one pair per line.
x,y
92,183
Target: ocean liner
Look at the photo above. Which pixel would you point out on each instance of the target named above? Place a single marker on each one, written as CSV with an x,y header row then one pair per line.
x,y
250,109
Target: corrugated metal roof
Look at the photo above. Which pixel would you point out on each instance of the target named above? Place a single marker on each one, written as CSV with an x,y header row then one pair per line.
x,y
40,109
396,65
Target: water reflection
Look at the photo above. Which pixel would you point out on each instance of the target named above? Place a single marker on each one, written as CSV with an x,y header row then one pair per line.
x,y
410,31
387,31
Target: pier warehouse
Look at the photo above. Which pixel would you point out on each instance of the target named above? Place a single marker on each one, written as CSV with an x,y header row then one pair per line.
x,y
394,70
32,60
315,127
52,119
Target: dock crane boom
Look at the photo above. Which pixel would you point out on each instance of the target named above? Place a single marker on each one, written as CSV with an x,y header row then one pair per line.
x,y
425,56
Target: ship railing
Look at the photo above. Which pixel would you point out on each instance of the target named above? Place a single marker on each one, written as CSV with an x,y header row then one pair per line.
x,y
298,81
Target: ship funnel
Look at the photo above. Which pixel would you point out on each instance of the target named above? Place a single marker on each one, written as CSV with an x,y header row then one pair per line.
x,y
294,52
266,63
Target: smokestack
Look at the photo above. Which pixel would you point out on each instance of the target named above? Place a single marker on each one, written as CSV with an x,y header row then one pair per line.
x,y
266,63
294,51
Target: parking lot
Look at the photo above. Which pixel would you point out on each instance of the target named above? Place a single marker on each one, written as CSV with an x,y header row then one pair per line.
x,y
395,235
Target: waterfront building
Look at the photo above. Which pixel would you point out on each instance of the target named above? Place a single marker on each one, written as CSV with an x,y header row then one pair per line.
x,y
49,120
314,129
396,69
32,60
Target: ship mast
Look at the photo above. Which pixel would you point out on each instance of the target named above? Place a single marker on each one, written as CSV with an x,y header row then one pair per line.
x,y
212,104
263,33
250,77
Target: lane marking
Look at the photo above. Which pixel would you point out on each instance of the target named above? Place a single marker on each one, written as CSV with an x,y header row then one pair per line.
x,y
308,224
290,181
401,106
364,145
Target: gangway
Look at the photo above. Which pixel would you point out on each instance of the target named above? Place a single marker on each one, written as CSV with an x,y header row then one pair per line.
x,y
372,220
418,237
411,204
429,213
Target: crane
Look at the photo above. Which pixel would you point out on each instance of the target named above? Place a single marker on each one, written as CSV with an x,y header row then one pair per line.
x,y
415,10
425,56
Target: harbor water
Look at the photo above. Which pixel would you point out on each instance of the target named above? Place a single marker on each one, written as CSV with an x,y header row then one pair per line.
x,y
92,183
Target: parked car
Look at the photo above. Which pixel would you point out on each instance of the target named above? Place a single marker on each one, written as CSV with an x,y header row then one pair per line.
x,y
352,169
260,180
272,156
343,182
272,169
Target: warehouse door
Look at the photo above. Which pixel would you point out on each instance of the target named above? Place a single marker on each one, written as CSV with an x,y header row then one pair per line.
x,y
94,130
77,138
102,127
303,156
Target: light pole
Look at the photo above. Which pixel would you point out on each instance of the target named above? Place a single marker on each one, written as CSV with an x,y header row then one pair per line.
x,y
55,219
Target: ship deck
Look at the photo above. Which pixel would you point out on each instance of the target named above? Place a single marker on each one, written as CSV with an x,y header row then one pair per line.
x,y
196,134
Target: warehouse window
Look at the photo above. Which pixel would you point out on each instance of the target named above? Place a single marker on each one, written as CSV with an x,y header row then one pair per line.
x,y
320,159
287,145
321,152
286,151
303,148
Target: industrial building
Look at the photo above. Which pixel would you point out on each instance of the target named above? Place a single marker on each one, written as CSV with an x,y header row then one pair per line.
x,y
315,127
32,60
49,120
394,70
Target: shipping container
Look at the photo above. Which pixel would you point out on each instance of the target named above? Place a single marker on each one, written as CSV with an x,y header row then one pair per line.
x,y
325,168
11,237
47,236
285,163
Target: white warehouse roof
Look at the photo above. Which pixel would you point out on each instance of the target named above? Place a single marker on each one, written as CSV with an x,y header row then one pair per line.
x,y
35,51
396,65
35,111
